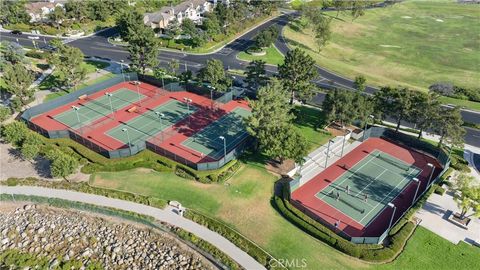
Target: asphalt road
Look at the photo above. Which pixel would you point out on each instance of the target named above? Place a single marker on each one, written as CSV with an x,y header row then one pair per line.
x,y
98,45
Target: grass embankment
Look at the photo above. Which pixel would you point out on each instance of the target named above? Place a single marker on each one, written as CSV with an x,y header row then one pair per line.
x,y
472,105
413,44
272,56
426,250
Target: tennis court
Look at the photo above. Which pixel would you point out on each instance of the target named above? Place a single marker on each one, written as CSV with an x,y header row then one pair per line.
x,y
152,122
95,109
365,189
230,127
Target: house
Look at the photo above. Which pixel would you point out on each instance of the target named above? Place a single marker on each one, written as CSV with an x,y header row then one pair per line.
x,y
39,11
191,9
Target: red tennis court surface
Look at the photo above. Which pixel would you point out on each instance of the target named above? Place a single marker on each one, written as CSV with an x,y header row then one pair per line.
x,y
305,197
172,137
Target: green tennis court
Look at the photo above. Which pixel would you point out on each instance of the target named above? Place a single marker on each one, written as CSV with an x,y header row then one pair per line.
x,y
372,183
230,126
149,124
97,108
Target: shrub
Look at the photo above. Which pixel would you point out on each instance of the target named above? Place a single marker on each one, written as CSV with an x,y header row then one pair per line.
x,y
36,54
439,190
5,113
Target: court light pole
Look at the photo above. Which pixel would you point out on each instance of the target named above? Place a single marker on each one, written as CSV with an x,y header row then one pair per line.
x,y
328,149
343,144
128,138
121,69
416,191
138,91
431,173
109,95
188,101
160,115
224,148
75,108
391,205
365,127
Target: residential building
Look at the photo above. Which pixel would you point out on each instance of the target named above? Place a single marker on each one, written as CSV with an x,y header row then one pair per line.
x,y
191,9
39,11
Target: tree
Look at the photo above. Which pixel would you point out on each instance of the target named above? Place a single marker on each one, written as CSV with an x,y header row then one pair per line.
x,y
144,50
5,113
77,10
255,72
271,124
344,106
424,111
188,27
186,76
296,73
62,165
467,196
68,62
360,83
214,73
322,31
173,66
394,102
448,124
14,132
57,16
18,80
13,52
266,37
211,24
14,12
29,151
130,24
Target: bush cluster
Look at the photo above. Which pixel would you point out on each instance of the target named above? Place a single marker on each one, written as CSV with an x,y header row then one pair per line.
x,y
368,252
459,163
236,238
19,135
86,188
450,90
36,54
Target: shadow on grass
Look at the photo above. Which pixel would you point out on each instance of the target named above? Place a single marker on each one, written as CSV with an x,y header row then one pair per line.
x,y
309,117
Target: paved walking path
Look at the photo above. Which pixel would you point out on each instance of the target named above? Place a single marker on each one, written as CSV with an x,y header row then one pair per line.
x,y
165,215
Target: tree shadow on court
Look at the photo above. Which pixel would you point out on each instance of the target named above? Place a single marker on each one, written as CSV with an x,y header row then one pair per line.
x,y
376,190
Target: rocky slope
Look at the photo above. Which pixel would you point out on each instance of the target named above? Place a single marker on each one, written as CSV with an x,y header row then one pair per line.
x,y
63,235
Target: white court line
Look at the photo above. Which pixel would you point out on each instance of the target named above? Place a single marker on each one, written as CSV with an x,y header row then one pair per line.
x,y
352,173
370,182
386,196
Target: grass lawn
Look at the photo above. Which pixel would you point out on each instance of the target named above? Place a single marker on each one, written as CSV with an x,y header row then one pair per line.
x,y
413,43
55,95
426,250
472,105
244,204
272,56
92,65
307,121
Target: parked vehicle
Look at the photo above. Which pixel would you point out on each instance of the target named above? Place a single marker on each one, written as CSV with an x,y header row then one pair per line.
x,y
16,32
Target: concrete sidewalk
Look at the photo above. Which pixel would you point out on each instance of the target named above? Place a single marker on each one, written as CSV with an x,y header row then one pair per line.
x,y
164,215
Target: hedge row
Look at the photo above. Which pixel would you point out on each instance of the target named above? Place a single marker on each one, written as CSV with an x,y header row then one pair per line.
x,y
144,159
206,246
86,188
236,238
374,253
127,215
